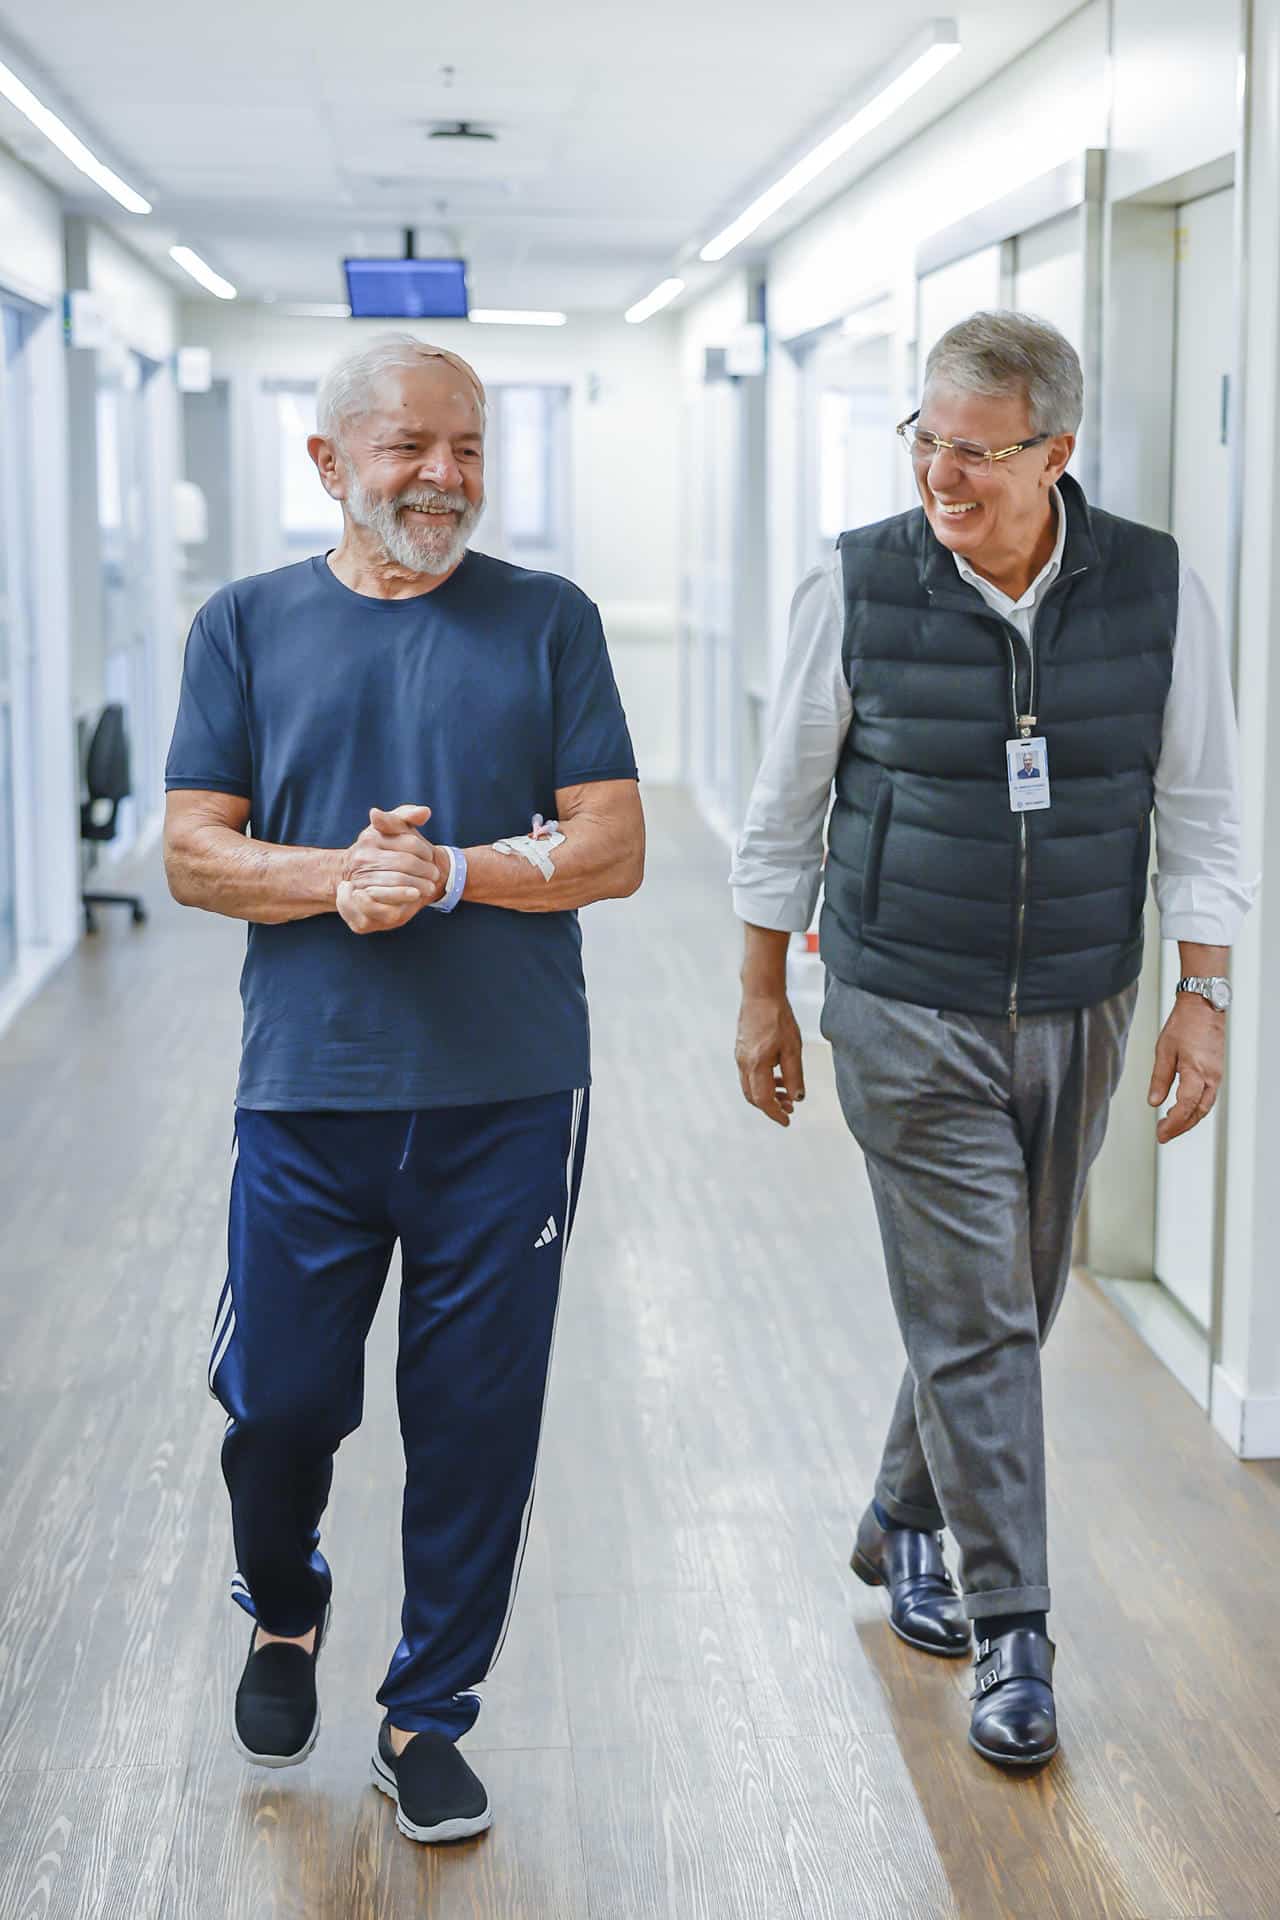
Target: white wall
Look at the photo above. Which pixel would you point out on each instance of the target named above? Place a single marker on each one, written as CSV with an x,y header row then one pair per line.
x,y
625,458
710,321
143,308
724,559
30,234
1175,66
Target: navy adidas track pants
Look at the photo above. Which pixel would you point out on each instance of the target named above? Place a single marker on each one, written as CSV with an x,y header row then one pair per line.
x,y
481,1200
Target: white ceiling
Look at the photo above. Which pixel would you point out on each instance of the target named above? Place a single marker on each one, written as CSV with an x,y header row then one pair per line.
x,y
275,138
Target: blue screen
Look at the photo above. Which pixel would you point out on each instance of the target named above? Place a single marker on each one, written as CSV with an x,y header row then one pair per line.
x,y
407,289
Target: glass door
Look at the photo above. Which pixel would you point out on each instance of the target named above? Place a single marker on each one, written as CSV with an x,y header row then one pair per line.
x,y
1186,1170
125,508
20,896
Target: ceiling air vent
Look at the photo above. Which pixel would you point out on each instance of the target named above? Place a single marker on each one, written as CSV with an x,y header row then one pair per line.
x,y
460,130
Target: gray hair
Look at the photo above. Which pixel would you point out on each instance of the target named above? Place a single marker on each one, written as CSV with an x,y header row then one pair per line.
x,y
350,386
1003,354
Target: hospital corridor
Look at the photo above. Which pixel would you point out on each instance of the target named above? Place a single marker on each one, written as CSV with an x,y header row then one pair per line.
x,y
639,1056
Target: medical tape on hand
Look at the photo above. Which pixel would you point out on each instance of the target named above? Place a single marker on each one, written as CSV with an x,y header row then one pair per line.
x,y
535,847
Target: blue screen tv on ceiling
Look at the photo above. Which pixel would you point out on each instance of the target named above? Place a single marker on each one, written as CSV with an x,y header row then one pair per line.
x,y
407,289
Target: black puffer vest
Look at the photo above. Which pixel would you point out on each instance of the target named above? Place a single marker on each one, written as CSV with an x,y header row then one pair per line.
x,y
935,891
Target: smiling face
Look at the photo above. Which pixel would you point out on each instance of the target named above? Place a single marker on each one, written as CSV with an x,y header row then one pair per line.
x,y
993,516
410,469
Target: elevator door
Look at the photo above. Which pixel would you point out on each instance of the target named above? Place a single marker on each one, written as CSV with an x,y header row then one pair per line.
x,y
953,292
1048,274
1186,1170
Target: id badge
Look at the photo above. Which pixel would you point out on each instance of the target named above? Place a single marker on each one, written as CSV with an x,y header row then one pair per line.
x,y
1028,764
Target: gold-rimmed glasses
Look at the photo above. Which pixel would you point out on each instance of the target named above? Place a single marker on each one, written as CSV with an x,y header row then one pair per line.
x,y
924,446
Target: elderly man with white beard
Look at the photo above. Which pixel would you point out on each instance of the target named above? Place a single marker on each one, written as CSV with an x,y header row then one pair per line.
x,y
415,1051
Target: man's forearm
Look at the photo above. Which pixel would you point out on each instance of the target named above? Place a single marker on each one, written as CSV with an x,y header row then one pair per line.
x,y
590,865
764,963
1202,963
216,868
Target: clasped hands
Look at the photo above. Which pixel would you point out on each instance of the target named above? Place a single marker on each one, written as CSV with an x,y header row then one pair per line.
x,y
390,872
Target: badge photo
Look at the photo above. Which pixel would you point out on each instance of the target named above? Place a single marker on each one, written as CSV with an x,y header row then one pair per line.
x,y
1028,770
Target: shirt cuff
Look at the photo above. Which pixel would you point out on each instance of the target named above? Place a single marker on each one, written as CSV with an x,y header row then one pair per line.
x,y
785,903
1207,911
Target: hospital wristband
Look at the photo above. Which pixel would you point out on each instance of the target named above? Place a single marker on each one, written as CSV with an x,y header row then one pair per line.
x,y
457,880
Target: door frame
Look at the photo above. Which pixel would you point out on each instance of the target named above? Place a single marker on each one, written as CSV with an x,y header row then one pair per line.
x,y
1140,304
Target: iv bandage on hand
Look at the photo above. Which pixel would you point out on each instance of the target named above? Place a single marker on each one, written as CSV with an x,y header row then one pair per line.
x,y
535,846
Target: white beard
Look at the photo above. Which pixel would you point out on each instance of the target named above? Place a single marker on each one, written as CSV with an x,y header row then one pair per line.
x,y
419,549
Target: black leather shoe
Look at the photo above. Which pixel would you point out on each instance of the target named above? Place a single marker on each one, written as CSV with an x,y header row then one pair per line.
x,y
923,1607
1014,1720
277,1714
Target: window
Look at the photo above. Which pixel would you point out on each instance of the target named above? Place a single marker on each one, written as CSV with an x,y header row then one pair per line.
x,y
527,477
307,513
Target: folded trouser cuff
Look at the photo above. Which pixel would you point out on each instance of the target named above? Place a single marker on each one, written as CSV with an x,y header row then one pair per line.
x,y
928,1519
989,1606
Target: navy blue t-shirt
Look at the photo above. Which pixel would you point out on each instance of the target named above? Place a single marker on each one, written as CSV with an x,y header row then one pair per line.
x,y
479,700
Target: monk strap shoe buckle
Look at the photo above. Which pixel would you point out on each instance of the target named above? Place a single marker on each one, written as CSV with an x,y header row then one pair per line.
x,y
989,1680
983,1651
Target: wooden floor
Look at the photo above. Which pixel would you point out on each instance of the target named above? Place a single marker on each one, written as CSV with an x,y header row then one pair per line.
x,y
698,1712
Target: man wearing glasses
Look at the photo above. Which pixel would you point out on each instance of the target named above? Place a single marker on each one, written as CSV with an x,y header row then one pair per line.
x,y
1005,685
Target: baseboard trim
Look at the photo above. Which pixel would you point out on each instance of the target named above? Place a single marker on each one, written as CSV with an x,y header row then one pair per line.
x,y
35,966
1249,1423
1167,1328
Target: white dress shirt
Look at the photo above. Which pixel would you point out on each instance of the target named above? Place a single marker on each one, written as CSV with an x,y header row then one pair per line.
x,y
777,868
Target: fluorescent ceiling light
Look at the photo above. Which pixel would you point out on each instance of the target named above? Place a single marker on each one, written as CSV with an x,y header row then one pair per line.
x,y
662,296
913,69
315,309
57,131
200,270
515,317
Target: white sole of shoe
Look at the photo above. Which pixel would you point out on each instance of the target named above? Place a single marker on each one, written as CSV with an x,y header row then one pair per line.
x,y
277,1759
385,1781
304,1752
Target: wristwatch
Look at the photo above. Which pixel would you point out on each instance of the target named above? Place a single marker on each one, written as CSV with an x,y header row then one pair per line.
x,y
1214,989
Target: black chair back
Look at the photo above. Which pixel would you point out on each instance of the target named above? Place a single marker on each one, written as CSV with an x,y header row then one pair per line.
x,y
107,775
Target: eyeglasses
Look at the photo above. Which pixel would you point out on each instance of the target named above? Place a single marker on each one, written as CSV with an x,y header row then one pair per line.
x,y
924,447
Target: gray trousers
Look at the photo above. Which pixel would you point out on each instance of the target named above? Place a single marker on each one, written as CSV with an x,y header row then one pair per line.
x,y
978,1140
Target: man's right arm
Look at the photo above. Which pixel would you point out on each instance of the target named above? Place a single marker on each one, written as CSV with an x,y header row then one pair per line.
x,y
777,868
209,862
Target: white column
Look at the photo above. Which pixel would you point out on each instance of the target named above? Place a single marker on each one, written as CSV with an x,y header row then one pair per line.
x,y
1246,1384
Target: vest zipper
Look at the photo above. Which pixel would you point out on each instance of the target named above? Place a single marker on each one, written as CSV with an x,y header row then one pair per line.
x,y
1023,722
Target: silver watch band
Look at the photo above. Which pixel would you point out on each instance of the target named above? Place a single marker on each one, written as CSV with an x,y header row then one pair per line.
x,y
1215,988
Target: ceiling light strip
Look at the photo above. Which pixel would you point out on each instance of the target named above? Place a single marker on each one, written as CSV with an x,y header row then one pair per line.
x,y
201,271
883,104
662,296
20,96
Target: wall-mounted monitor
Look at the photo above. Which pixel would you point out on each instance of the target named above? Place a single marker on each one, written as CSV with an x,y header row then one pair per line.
x,y
407,289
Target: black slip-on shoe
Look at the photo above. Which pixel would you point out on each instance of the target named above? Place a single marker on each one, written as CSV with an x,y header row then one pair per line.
x,y
924,1609
436,1794
1015,1722
277,1716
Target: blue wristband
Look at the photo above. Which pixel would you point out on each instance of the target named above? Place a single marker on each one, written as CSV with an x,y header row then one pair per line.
x,y
457,880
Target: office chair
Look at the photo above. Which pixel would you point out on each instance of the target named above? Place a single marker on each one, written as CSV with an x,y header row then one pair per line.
x,y
108,782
